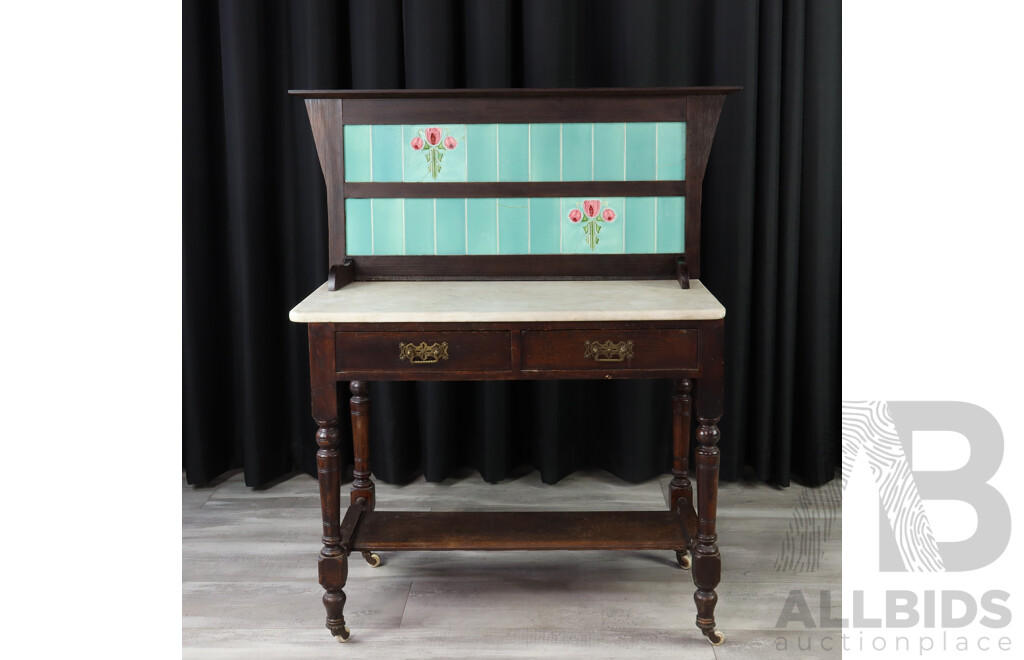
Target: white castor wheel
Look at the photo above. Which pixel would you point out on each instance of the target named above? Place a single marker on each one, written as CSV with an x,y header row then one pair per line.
x,y
345,636
684,560
716,638
372,558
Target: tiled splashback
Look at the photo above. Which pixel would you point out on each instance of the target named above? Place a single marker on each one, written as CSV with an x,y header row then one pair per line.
x,y
516,152
537,225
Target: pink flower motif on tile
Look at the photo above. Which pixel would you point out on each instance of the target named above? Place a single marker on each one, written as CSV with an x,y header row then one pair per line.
x,y
437,143
592,217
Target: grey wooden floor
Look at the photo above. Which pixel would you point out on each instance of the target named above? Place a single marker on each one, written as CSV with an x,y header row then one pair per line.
x,y
250,585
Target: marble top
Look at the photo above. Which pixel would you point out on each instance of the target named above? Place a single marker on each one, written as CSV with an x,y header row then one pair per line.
x,y
499,301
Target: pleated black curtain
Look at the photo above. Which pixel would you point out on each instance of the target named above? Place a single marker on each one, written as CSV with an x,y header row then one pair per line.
x,y
255,229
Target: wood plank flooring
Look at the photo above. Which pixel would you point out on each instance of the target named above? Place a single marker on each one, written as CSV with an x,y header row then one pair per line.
x,y
249,582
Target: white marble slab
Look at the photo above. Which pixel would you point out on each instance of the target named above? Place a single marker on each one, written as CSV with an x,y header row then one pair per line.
x,y
494,301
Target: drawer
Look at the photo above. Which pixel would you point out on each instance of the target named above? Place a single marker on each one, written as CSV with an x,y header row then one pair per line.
x,y
609,349
431,351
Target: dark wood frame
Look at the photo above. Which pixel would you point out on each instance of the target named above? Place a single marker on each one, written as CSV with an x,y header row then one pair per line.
x,y
516,350
330,111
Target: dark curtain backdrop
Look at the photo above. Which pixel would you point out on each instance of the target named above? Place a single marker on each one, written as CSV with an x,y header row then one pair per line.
x,y
255,229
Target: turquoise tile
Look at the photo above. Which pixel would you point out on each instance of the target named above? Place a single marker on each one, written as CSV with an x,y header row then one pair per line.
x,y
671,227
671,151
419,226
357,153
513,226
609,143
481,226
576,152
612,233
358,227
545,152
640,146
388,235
513,152
387,153
445,161
639,223
482,152
545,225
540,225
575,236
450,225
572,236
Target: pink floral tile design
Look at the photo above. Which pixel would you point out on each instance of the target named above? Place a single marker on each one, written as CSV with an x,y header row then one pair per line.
x,y
434,143
591,215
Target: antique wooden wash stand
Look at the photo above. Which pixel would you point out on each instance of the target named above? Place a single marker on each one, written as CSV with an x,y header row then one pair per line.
x,y
396,307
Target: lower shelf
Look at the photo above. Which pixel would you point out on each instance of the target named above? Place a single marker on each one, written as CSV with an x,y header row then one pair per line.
x,y
528,530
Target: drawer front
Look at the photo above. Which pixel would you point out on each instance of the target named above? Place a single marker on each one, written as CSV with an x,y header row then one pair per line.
x,y
429,351
609,349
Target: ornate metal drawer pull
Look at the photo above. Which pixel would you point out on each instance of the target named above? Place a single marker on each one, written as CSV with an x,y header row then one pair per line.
x,y
608,351
423,353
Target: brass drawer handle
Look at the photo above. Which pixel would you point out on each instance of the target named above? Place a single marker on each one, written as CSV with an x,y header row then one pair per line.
x,y
608,351
422,353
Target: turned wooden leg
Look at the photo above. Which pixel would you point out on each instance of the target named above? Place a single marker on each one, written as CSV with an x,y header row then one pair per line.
x,y
333,567
362,485
680,487
707,562
333,564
